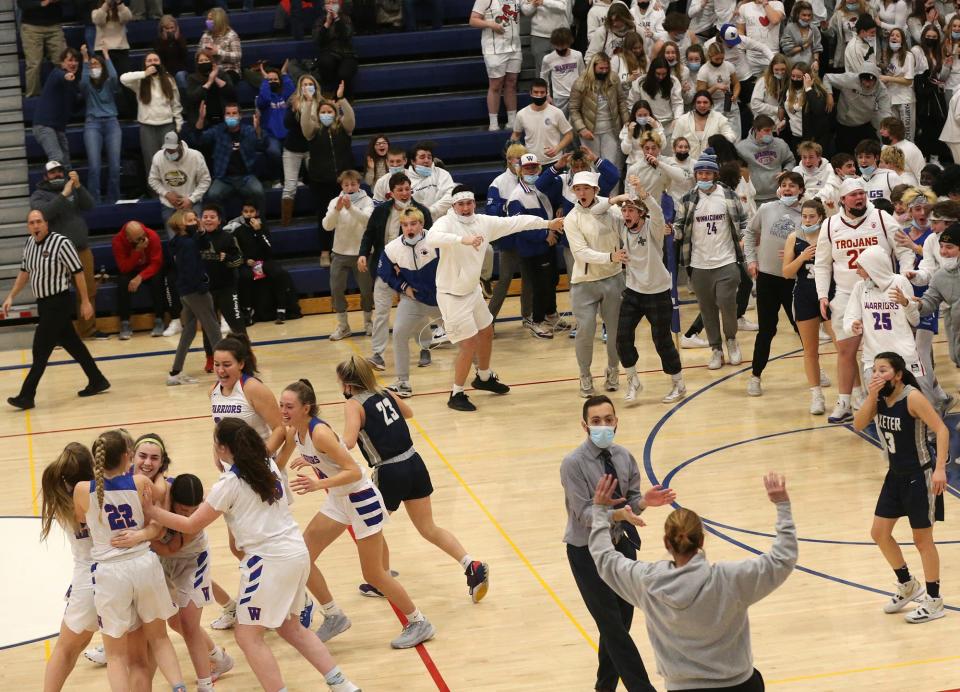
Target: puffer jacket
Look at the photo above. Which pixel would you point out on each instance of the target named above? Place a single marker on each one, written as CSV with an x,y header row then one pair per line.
x,y
583,105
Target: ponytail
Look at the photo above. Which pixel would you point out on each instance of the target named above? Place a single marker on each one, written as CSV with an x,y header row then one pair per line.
x,y
358,373
249,458
683,531
73,466
305,395
108,451
186,490
238,346
899,365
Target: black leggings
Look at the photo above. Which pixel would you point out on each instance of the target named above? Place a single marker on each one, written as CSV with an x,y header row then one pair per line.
x,y
543,275
773,293
743,300
227,303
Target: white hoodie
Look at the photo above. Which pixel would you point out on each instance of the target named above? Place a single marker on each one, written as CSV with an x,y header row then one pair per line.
x,y
433,191
348,223
188,176
822,184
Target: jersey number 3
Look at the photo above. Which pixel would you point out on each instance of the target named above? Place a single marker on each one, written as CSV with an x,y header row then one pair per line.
x,y
120,517
891,444
389,412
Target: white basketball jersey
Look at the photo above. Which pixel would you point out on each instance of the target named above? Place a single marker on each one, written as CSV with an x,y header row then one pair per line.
x,y
267,530
847,241
881,184
236,406
80,544
885,324
121,511
322,463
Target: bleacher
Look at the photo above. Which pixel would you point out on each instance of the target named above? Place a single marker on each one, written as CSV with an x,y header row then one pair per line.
x,y
411,86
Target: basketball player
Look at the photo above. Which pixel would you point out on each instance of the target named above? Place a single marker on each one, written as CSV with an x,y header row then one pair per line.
x,y
250,497
462,237
913,486
857,226
130,592
377,421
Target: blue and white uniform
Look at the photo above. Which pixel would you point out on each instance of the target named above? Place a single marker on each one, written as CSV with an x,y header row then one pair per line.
x,y
128,583
80,615
188,571
358,504
276,564
398,470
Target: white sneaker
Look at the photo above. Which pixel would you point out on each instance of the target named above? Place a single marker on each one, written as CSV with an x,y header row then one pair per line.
x,y
824,337
927,610
224,327
612,380
745,325
824,380
733,352
753,386
222,663
678,391
695,341
494,128
716,360
818,404
226,621
173,328
857,397
541,330
586,386
439,336
96,655
634,386
345,686
180,378
842,413
910,591
341,332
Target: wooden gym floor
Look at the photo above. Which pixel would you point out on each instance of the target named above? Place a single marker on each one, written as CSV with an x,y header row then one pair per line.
x,y
497,488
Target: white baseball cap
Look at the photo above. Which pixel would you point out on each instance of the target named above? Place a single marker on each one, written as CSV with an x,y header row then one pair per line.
x,y
586,178
851,185
529,160
53,165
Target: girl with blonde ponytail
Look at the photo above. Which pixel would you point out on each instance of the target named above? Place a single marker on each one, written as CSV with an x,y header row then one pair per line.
x,y
130,586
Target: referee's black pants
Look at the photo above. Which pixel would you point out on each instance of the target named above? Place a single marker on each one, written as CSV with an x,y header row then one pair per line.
x,y
56,328
618,655
658,309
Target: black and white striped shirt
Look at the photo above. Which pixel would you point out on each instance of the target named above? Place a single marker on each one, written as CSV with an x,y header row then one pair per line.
x,y
50,263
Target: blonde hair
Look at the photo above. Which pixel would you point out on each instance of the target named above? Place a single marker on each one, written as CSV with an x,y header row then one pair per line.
x,y
176,220
411,213
588,80
683,531
221,23
810,146
651,136
514,151
715,49
108,451
910,195
894,156
776,87
358,373
73,466
349,174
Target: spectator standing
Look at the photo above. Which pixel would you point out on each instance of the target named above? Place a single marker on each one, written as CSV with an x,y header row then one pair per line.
x,y
801,40
221,258
931,98
234,146
608,39
432,186
56,104
49,260
331,154
543,127
562,67
697,126
139,257
598,109
259,266
396,163
900,68
210,87
894,133
178,175
805,107
547,17
158,105
864,102
302,121
62,199
221,44
41,34
336,60
664,94
376,162
146,9
863,49
275,90
171,46
101,128
767,157
499,21
760,20
111,21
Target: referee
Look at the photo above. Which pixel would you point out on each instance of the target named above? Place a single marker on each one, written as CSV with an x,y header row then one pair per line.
x,y
49,259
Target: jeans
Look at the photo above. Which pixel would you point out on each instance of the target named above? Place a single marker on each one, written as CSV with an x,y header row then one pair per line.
x,y
292,162
100,134
54,144
410,14
271,164
246,187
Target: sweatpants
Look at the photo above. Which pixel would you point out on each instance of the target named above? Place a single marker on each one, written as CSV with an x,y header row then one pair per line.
x,y
587,299
929,384
658,309
773,293
195,306
717,297
743,300
341,266
543,277
510,264
411,318
382,302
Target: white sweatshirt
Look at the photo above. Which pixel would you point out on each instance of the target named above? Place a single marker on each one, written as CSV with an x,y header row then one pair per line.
x,y
159,111
433,191
458,271
188,176
593,234
550,15
348,224
646,272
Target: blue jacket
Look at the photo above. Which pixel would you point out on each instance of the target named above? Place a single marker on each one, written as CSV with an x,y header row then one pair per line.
x,y
401,266
190,268
561,195
219,140
273,107
56,101
102,102
531,243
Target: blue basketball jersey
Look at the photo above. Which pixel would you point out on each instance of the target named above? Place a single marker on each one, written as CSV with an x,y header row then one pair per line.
x,y
385,434
904,438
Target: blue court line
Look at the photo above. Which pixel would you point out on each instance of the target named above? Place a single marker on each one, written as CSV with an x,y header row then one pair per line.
x,y
652,477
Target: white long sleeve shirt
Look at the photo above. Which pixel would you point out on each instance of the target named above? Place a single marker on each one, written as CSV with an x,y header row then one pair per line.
x,y
433,191
593,234
348,224
550,15
159,111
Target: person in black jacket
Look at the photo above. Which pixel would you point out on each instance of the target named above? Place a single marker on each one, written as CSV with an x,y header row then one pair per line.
x,y
221,256
336,59
253,239
330,155
384,226
207,86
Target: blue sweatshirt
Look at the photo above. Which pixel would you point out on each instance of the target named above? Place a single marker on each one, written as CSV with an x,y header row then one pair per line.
x,y
526,200
191,270
101,103
401,266
273,106
56,101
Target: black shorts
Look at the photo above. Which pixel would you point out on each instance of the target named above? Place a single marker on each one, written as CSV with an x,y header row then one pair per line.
x,y
910,495
806,305
404,480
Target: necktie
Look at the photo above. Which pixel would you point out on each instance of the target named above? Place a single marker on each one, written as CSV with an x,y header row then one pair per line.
x,y
620,529
869,52
609,470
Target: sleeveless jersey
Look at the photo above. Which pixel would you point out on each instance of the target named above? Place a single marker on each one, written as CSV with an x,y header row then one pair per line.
x,y
904,438
195,546
881,184
121,511
805,273
80,544
322,463
266,530
385,436
236,406
847,241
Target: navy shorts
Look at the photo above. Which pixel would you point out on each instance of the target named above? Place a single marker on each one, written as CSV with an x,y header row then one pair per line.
x,y
910,495
806,305
404,480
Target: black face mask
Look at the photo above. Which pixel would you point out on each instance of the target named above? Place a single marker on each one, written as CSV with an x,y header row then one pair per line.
x,y
538,100
191,229
885,140
796,83
562,52
643,5
601,76
275,87
205,68
857,213
887,389
931,42
681,155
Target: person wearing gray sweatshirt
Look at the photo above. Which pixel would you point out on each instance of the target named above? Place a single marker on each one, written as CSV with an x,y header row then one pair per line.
x,y
696,612
766,156
945,287
865,103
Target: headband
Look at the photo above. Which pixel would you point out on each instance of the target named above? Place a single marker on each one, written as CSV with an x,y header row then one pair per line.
x,y
463,196
919,201
151,440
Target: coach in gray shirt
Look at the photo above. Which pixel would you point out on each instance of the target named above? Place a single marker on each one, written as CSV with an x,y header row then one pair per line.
x,y
580,472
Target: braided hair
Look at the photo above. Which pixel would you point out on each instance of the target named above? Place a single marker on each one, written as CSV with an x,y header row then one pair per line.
x,y
108,451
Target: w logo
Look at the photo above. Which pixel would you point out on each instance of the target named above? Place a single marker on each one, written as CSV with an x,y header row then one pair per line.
x,y
254,613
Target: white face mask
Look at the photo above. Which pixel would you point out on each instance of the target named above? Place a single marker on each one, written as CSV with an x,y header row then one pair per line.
x,y
949,263
401,204
95,72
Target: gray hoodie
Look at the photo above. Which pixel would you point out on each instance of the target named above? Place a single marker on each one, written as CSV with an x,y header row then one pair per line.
x,y
696,615
857,105
944,288
766,162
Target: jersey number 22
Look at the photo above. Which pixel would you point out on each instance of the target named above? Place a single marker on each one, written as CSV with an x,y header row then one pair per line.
x,y
120,517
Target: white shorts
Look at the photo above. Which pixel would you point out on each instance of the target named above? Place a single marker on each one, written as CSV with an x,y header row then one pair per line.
x,y
271,590
364,511
80,615
464,316
837,307
188,579
128,592
501,63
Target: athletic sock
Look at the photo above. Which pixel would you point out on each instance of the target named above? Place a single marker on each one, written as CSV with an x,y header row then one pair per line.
x,y
457,389
903,574
632,371
844,399
678,378
818,390
494,120
230,605
216,652
484,374
205,684
415,616
334,676
331,608
466,561
511,118
933,589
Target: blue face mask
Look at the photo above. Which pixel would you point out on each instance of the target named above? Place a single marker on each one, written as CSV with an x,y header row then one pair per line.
x,y
803,22
868,170
642,120
766,139
789,199
530,178
231,122
423,171
395,169
852,6
693,66
955,35
705,184
916,224
895,46
810,229
602,435
326,119
779,77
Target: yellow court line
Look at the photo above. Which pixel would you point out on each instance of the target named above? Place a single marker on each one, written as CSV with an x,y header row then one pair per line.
x,y
868,669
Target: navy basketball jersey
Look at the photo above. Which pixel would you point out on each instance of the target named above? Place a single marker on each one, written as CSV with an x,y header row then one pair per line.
x,y
904,438
384,435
